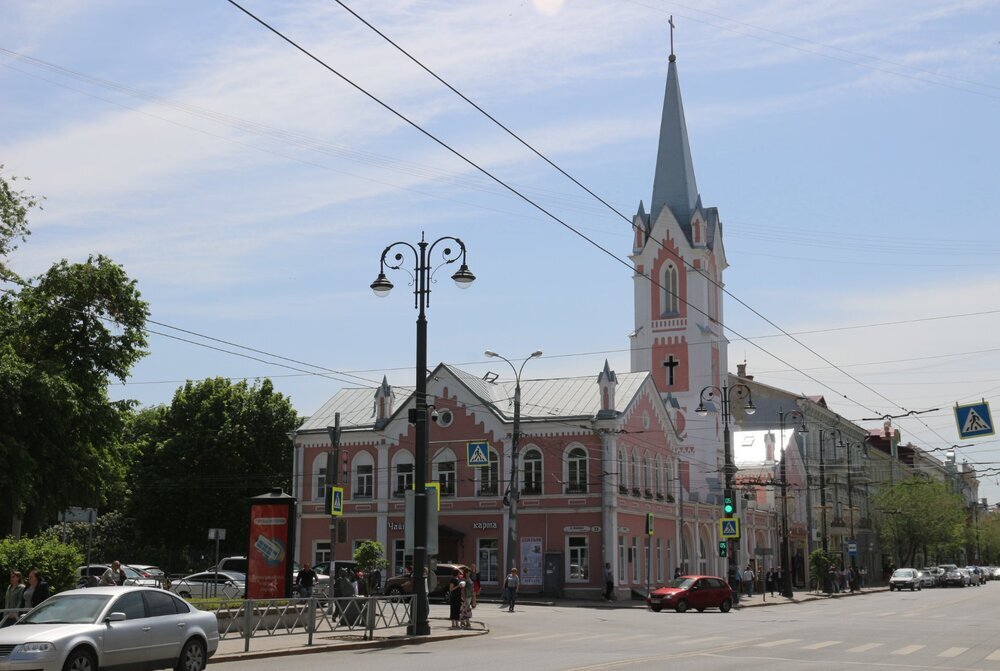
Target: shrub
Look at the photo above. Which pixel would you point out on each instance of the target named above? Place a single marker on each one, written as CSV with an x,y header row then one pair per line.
x,y
56,561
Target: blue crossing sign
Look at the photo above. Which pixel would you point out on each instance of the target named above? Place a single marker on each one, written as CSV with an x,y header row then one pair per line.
x,y
729,527
478,453
974,420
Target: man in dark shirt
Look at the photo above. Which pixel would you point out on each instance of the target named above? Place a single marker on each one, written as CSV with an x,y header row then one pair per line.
x,y
305,581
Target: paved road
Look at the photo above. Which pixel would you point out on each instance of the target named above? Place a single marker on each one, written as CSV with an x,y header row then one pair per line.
x,y
940,629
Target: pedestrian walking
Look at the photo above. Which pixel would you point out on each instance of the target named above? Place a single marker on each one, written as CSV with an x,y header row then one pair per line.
x,y
609,582
769,580
36,592
677,573
113,576
305,580
512,582
748,578
862,577
477,585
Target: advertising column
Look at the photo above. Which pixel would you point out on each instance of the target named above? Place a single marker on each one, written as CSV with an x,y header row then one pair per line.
x,y
272,540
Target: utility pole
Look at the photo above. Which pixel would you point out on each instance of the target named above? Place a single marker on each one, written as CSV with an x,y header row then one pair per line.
x,y
822,491
332,464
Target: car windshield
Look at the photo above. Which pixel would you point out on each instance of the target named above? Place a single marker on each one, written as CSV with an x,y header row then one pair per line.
x,y
680,583
75,609
903,573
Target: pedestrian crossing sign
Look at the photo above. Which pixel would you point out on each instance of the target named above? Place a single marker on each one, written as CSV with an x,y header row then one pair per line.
x,y
478,452
335,501
729,527
974,420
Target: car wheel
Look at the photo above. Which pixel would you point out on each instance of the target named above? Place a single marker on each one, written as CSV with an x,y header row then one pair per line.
x,y
395,590
726,605
682,606
192,656
912,588
656,609
80,659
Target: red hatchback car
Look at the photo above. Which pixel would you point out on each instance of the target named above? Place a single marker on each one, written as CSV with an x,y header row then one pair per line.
x,y
692,591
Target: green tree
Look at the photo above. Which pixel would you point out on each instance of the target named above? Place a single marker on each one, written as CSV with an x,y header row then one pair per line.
x,y
920,513
63,335
112,537
370,557
201,458
56,561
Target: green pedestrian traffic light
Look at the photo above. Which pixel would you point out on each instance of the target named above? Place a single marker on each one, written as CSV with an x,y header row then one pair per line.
x,y
723,548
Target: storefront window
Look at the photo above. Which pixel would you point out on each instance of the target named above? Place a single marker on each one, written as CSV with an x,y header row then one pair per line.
x,y
579,558
488,559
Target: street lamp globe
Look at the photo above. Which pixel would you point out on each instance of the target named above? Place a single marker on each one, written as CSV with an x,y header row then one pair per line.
x,y
381,286
463,277
749,408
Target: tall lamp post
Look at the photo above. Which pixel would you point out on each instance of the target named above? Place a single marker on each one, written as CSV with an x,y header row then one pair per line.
x,y
513,490
724,395
786,548
421,278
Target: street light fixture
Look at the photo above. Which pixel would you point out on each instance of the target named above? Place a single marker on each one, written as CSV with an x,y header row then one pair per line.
x,y
421,278
786,548
725,394
513,491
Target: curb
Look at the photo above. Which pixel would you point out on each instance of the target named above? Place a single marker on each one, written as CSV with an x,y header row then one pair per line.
x,y
391,642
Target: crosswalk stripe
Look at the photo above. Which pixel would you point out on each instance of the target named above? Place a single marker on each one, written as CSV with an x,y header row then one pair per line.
x,y
865,648
952,652
909,649
512,635
543,638
820,645
774,644
994,656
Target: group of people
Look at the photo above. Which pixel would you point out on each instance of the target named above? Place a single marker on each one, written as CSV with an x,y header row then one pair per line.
x,y
20,597
842,579
463,595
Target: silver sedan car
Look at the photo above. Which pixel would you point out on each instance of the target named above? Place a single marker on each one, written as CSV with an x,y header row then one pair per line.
x,y
101,627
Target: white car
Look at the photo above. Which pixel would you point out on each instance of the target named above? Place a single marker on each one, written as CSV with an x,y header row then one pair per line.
x,y
108,627
90,575
209,584
903,578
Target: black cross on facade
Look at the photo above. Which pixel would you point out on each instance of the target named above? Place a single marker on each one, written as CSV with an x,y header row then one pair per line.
x,y
670,364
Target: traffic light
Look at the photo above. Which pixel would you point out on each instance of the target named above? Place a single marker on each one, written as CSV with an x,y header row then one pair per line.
x,y
723,548
649,524
729,503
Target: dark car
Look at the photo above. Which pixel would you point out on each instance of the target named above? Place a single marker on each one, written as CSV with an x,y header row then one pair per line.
x,y
692,591
438,584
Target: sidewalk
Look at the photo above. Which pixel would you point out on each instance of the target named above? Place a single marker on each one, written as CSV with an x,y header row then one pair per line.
x,y
261,647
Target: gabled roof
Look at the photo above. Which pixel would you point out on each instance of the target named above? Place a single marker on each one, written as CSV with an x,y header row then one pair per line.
x,y
540,399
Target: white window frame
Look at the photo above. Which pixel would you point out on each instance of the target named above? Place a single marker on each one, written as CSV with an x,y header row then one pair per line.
x,y
446,456
401,458
622,560
320,552
489,569
489,475
584,564
670,290
319,478
575,484
357,491
538,468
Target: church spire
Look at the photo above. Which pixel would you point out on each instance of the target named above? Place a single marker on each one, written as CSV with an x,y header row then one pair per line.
x,y
673,183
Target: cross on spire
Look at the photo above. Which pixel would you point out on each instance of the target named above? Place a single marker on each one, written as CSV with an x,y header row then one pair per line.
x,y
671,22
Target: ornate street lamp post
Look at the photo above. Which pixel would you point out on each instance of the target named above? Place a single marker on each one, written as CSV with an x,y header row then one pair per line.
x,y
724,395
421,278
513,490
786,548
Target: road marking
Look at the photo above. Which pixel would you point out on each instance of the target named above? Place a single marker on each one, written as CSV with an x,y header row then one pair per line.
x,y
952,652
820,645
783,641
544,638
633,636
865,648
909,649
514,635
994,656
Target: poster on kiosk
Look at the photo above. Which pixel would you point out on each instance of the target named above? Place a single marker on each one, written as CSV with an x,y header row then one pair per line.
x,y
272,536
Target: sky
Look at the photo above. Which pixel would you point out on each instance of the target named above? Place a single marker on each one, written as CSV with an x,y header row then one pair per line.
x,y
851,148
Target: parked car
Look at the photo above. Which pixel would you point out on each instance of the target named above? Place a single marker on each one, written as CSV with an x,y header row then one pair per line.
x,y
968,577
936,573
90,576
237,564
111,627
927,579
209,584
149,571
692,591
437,584
978,575
903,578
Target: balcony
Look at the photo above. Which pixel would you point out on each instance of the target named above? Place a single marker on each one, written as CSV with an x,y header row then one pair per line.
x,y
623,490
577,488
838,522
635,492
533,489
488,490
648,494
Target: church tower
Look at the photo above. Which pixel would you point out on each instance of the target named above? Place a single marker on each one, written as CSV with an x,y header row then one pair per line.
x,y
678,258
